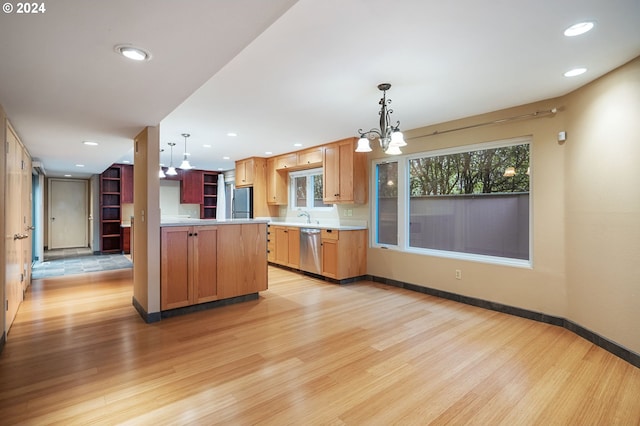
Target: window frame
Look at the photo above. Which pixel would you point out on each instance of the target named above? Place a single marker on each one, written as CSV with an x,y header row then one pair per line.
x,y
292,189
404,200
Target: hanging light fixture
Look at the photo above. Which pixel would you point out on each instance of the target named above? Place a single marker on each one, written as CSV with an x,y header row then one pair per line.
x,y
185,163
171,171
390,136
161,174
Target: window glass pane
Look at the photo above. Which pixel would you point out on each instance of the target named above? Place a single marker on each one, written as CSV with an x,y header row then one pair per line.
x,y
317,191
472,202
387,209
300,186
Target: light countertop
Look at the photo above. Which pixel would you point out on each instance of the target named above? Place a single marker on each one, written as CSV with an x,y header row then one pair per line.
x,y
319,226
198,222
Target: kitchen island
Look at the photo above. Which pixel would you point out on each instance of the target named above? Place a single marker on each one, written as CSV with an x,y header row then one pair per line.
x,y
208,263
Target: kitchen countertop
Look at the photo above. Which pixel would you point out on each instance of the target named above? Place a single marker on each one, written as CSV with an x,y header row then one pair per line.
x,y
198,222
319,226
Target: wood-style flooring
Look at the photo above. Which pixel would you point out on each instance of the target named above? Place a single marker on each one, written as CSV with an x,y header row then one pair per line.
x,y
307,352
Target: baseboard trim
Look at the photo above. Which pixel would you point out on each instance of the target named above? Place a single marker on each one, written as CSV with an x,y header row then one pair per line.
x,y
620,351
208,305
146,316
2,340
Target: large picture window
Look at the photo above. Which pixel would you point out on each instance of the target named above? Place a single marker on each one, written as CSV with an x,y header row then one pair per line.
x,y
472,202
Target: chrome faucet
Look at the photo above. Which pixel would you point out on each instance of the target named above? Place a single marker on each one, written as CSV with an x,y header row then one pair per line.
x,y
303,213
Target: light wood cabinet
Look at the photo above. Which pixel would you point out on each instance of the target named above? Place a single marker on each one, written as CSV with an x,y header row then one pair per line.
x,y
245,172
188,271
286,245
310,158
344,173
344,253
276,183
242,259
286,161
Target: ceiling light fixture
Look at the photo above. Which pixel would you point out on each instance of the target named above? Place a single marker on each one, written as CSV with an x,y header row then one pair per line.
x,y
171,171
185,163
132,52
574,72
90,143
579,28
390,136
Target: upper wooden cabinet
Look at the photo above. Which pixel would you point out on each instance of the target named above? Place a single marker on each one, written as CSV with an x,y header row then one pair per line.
x,y
286,161
191,187
344,173
126,181
247,169
310,158
276,183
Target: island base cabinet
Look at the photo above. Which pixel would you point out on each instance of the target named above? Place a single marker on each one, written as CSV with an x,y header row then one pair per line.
x,y
188,266
242,259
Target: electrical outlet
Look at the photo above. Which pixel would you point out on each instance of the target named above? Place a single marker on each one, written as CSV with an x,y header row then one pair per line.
x,y
458,274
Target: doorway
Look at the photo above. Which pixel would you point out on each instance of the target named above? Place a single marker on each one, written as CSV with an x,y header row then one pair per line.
x,y
68,213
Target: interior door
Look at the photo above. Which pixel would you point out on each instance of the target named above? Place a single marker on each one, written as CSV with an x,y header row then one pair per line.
x,y
14,232
68,213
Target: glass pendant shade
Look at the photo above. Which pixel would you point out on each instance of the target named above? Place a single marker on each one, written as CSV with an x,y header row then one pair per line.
x,y
510,172
363,145
185,164
171,171
397,139
161,174
393,150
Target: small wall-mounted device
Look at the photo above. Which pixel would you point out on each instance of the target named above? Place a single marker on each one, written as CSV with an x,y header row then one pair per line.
x,y
562,136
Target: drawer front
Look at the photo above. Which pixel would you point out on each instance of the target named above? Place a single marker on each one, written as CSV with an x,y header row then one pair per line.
x,y
330,234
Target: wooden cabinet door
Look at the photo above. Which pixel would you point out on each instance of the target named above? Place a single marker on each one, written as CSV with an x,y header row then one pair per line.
x,y
126,183
331,174
330,258
245,172
175,266
293,258
242,264
204,273
191,187
282,245
287,161
311,157
276,184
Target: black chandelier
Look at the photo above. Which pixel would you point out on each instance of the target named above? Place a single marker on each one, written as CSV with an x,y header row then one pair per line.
x,y
390,136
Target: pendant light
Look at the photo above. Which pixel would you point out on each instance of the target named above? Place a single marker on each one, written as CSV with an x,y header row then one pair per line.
x,y
389,136
185,163
171,171
161,174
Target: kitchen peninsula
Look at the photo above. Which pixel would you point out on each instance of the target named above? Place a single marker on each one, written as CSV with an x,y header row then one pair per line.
x,y
207,263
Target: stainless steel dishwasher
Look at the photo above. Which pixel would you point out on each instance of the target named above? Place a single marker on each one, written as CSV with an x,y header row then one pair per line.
x,y
310,254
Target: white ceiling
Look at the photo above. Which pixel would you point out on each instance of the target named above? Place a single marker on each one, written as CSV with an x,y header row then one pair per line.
x,y
280,72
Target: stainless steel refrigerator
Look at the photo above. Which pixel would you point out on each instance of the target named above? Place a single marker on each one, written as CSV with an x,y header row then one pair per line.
x,y
242,203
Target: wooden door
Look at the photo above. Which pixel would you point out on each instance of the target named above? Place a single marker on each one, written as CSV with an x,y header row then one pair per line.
x,y
204,273
26,217
174,267
68,218
14,229
282,245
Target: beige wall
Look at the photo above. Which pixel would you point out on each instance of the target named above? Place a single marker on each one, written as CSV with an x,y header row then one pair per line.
x,y
603,206
585,212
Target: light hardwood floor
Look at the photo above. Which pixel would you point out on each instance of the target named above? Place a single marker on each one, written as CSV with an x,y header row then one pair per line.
x,y
307,352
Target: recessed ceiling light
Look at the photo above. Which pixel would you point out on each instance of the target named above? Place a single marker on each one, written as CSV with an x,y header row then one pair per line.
x,y
297,144
79,165
132,52
268,152
579,28
206,146
574,72
90,143
232,134
226,158
126,161
67,175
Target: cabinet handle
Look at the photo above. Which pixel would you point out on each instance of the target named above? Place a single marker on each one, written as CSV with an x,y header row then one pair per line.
x,y
190,234
195,234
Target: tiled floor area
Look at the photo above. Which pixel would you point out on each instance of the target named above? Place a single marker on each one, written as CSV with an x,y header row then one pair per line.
x,y
77,261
